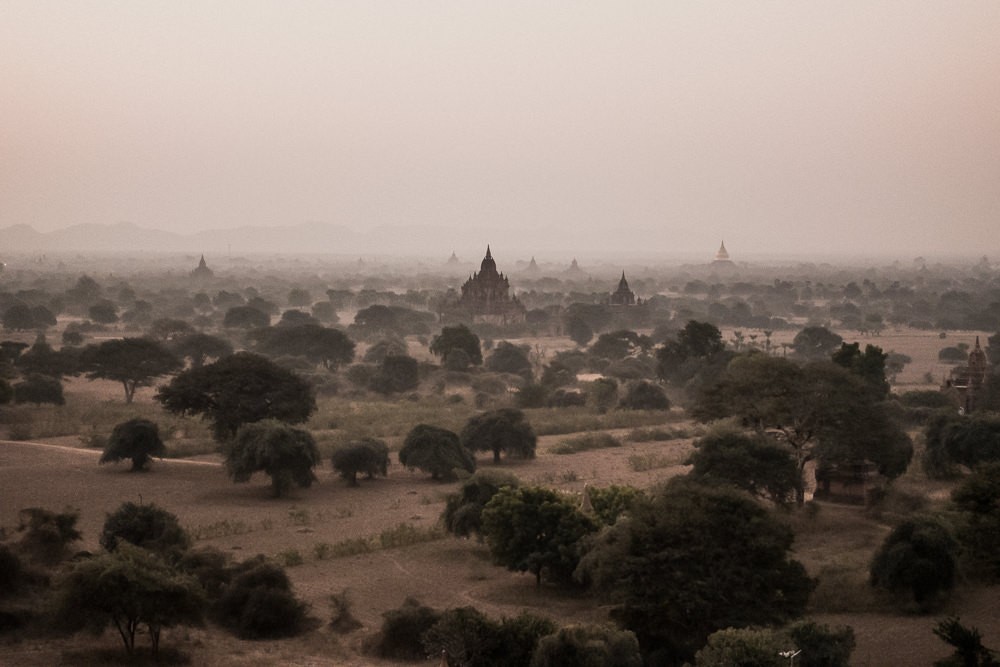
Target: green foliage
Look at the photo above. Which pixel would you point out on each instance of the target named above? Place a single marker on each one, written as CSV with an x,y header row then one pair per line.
x,y
579,330
258,603
531,395
129,588
437,451
11,572
604,394
536,530
41,359
236,390
39,389
869,366
245,317
399,638
503,430
463,509
47,534
917,559
759,647
816,343
284,453
977,499
135,362
611,502
137,439
968,643
391,345
368,456
692,560
458,337
147,526
960,439
752,463
643,395
588,646
395,374
694,350
619,344
821,645
509,358
6,392
927,398
200,347
466,636
320,345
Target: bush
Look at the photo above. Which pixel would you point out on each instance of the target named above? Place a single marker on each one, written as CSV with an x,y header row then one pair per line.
x,y
402,630
588,646
39,389
146,526
463,510
821,645
259,604
10,571
368,456
342,620
582,443
644,396
137,439
46,533
917,559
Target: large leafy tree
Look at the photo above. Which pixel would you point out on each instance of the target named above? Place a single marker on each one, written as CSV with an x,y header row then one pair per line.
x,y
284,453
320,345
819,410
694,559
200,347
696,350
239,389
136,439
509,358
396,373
619,344
917,559
129,588
536,530
135,362
750,462
868,365
457,338
367,456
463,509
816,343
960,439
503,430
145,525
435,450
977,499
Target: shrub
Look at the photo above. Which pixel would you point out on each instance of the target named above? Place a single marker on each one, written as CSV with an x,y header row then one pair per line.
x,y
39,389
587,646
259,604
368,456
463,509
146,526
918,558
644,395
400,635
47,533
342,620
582,443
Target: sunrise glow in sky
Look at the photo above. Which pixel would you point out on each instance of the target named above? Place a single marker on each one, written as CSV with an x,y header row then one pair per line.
x,y
779,126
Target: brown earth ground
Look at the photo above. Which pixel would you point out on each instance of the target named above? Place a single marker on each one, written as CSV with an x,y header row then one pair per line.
x,y
313,524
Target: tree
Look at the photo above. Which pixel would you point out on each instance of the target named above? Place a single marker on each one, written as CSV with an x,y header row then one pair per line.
x,y
18,317
368,456
579,331
320,345
245,317
468,637
503,430
390,346
457,338
103,312
815,343
39,389
6,392
697,348
869,366
41,359
435,450
135,362
821,645
643,395
753,463
918,558
136,439
286,454
604,393
760,647
236,390
147,526
258,603
130,588
819,410
693,559
200,347
463,509
509,358
167,329
977,499
536,530
960,439
588,646
619,344
396,374
46,533
968,643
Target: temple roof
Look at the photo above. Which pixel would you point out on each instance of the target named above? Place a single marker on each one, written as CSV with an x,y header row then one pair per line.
x,y
722,255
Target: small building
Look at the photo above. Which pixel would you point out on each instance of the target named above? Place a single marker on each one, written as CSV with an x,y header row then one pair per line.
x,y
853,483
966,382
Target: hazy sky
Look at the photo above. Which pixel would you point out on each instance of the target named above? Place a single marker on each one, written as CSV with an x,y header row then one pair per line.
x,y
779,126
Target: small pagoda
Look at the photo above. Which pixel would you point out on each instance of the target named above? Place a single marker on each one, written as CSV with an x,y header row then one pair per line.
x,y
202,272
722,256
623,296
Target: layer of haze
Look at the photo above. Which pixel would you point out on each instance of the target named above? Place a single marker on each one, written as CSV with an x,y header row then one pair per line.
x,y
782,127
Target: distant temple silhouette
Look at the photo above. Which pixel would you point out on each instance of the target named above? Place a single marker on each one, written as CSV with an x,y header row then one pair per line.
x,y
967,381
202,272
486,296
623,296
722,256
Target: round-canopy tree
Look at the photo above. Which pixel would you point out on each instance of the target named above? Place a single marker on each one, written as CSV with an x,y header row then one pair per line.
x,y
286,454
368,456
396,374
437,451
509,358
147,526
318,344
200,347
753,463
458,337
135,362
239,389
503,430
137,439
917,558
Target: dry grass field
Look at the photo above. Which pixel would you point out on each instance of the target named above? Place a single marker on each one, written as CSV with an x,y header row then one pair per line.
x,y
382,541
